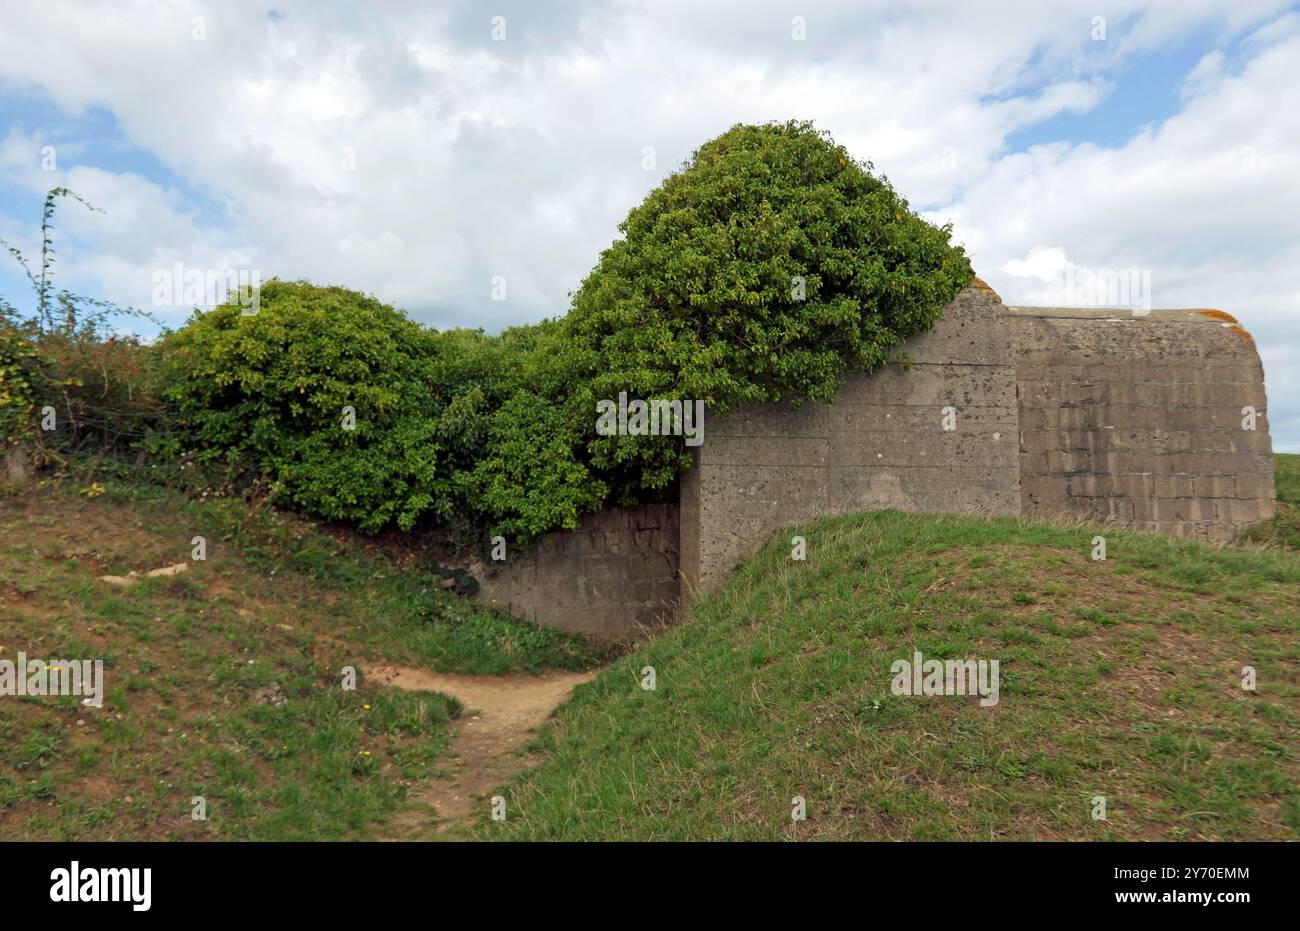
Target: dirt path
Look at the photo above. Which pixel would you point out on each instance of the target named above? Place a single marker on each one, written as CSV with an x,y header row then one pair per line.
x,y
501,715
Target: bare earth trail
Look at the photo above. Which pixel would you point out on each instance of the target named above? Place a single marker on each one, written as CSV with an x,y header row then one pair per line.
x,y
502,713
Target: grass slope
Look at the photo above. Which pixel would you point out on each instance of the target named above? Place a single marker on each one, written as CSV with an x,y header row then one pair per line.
x,y
1284,529
224,681
1119,678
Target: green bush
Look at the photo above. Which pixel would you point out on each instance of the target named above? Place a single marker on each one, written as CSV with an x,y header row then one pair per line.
x,y
767,268
701,299
698,301
530,478
273,390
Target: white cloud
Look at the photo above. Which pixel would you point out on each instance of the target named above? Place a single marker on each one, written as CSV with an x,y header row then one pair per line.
x,y
476,158
1207,203
1209,71
1042,262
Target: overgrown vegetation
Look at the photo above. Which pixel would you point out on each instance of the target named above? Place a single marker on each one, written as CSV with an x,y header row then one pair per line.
x,y
328,393
68,381
771,264
224,681
1119,678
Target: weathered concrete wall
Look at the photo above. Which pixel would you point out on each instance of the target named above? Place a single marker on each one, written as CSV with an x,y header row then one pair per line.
x,y
881,445
1138,420
618,570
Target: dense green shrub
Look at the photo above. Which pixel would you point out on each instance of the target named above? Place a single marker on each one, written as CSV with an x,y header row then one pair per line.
x,y
531,478
330,393
767,268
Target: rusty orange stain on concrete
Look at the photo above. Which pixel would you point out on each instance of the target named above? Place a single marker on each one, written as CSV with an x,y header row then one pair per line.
x,y
1229,318
983,285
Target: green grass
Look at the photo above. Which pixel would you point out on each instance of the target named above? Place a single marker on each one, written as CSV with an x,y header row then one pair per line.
x,y
1119,679
1284,529
225,681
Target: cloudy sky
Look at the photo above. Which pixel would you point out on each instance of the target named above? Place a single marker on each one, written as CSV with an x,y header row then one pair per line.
x,y
420,151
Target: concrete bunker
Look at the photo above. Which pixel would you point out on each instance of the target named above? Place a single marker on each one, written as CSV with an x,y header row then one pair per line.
x,y
1156,422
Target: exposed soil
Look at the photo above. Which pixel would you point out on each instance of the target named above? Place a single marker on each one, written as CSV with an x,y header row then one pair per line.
x,y
501,715
132,577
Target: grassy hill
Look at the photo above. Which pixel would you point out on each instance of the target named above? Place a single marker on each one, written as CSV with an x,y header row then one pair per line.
x,y
225,681
1119,678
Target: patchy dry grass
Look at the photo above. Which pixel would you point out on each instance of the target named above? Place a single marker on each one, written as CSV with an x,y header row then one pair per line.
x,y
223,681
1119,678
